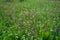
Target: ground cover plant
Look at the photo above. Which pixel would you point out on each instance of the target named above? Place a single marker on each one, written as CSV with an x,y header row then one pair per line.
x,y
29,20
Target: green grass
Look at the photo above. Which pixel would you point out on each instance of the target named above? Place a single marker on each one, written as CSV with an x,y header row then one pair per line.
x,y
30,20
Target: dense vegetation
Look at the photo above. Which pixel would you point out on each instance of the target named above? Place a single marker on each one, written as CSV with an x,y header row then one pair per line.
x,y
29,20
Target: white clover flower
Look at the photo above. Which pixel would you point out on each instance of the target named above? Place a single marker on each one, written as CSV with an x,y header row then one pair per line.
x,y
24,23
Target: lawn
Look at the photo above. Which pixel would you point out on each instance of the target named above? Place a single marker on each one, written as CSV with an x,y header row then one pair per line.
x,y
29,20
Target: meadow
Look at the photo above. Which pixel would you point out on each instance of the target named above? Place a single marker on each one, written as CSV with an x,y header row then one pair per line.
x,y
29,20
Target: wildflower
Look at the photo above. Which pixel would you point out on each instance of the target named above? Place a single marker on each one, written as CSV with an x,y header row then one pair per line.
x,y
26,11
17,26
32,29
24,23
33,16
18,20
29,26
13,18
47,28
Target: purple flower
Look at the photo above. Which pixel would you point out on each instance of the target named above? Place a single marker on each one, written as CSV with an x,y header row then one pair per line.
x,y
24,23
